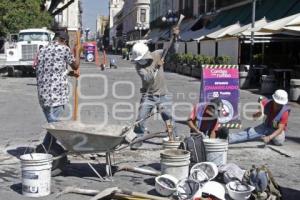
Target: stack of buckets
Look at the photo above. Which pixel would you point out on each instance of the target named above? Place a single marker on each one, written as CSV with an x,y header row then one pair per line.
x,y
36,174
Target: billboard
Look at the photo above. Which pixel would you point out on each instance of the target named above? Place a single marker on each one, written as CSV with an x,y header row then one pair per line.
x,y
222,81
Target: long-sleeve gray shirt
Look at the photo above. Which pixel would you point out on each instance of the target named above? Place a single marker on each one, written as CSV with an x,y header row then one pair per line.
x,y
153,80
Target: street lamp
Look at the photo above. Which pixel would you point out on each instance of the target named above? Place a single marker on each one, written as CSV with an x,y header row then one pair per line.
x,y
170,18
87,30
140,27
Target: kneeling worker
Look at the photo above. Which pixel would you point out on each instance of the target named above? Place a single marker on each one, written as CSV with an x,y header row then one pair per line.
x,y
204,119
274,127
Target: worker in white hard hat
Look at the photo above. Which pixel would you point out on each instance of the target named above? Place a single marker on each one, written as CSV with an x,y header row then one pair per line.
x,y
149,66
273,128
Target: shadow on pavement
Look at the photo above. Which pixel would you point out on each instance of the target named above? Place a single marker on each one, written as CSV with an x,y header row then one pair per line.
x,y
17,188
294,139
82,170
20,151
290,194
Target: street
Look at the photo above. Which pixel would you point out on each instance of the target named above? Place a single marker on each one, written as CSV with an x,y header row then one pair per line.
x,y
112,97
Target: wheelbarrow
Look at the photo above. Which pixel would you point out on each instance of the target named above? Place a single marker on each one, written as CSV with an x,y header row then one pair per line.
x,y
80,139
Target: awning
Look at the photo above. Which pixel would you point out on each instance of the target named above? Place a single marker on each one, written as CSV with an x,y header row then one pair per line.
x,y
277,25
222,32
245,30
156,34
228,17
197,35
185,26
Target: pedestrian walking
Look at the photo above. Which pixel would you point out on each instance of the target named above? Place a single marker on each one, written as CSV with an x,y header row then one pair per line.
x,y
52,81
149,66
274,126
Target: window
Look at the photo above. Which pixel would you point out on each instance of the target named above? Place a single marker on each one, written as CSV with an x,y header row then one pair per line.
x,y
143,15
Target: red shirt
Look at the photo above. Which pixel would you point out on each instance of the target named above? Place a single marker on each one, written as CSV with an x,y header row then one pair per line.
x,y
205,123
273,113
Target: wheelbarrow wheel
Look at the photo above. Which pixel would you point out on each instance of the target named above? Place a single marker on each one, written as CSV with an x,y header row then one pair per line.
x,y
59,162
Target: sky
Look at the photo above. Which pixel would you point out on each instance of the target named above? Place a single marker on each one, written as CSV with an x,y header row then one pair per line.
x,y
92,9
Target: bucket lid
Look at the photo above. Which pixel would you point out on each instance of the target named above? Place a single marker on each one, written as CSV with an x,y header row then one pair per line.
x,y
36,157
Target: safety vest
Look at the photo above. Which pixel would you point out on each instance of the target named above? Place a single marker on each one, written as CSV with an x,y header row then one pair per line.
x,y
210,123
277,118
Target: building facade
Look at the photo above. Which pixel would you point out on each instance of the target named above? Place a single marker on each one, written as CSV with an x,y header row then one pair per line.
x,y
130,23
70,19
115,6
136,19
102,22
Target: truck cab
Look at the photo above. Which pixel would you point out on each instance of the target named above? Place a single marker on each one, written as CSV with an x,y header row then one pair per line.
x,y
21,53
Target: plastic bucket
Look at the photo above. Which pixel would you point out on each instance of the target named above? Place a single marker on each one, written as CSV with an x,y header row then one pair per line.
x,y
36,174
216,151
171,144
244,80
175,162
295,89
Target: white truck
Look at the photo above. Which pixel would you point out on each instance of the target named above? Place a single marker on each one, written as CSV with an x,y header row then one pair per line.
x,y
21,53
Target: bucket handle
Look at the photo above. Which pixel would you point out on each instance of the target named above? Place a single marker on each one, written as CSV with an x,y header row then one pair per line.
x,y
25,151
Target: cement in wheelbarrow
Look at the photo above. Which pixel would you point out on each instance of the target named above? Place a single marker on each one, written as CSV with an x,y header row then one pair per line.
x,y
79,138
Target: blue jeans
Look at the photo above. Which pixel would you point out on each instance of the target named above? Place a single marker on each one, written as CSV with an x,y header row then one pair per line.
x,y
148,102
52,114
254,133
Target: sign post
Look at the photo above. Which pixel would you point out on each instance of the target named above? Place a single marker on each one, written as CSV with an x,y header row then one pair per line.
x,y
222,81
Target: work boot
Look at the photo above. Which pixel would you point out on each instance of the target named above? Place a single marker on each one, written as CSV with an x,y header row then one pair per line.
x,y
136,145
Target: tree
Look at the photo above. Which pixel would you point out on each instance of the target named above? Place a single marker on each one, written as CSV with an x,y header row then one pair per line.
x,y
22,14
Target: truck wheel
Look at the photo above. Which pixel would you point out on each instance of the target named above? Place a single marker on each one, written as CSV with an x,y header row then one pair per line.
x,y
57,164
11,71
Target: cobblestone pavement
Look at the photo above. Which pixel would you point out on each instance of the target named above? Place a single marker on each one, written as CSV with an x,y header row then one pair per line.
x,y
21,120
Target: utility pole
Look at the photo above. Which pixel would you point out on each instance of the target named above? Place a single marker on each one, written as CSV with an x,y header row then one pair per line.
x,y
252,33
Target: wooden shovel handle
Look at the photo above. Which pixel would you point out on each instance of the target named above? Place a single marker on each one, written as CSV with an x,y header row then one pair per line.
x,y
75,92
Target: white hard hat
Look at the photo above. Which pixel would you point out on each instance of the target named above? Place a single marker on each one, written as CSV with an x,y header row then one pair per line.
x,y
165,185
280,97
214,189
204,171
139,50
187,189
237,190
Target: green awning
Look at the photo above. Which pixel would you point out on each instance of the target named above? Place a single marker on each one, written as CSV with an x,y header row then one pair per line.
x,y
280,9
228,17
295,9
270,9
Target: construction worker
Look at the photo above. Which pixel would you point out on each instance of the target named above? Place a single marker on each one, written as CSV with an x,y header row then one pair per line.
x,y
149,66
274,127
52,83
204,119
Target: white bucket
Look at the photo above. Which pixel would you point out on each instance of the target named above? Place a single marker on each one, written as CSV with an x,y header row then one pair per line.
x,y
175,162
216,151
170,144
36,174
